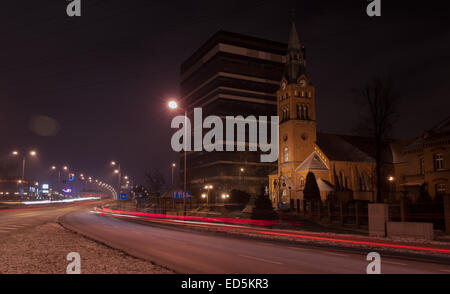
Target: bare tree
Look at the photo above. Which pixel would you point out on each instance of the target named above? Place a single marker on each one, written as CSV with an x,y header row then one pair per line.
x,y
155,182
380,116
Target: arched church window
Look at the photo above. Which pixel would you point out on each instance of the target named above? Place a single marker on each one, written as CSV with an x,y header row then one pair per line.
x,y
302,112
286,154
302,181
307,112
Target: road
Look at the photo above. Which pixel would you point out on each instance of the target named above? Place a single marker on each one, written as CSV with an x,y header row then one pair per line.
x,y
203,253
17,220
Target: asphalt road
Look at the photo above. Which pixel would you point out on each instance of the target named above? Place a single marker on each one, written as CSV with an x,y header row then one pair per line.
x,y
196,252
17,220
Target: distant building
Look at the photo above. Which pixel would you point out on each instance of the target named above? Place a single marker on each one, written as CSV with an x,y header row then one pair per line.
x,y
231,74
422,163
14,189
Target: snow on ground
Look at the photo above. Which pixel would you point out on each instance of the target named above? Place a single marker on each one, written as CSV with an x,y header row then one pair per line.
x,y
43,250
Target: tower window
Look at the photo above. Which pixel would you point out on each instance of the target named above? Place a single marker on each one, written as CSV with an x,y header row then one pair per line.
x,y
438,162
286,154
302,182
309,94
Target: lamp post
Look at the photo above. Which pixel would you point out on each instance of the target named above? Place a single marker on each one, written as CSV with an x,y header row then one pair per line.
x,y
224,197
173,167
208,188
64,168
119,174
16,153
174,105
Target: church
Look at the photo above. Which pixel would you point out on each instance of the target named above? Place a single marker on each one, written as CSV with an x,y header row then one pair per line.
x,y
343,165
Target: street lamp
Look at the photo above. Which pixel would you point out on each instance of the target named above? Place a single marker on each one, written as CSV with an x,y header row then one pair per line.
x,y
16,153
225,196
117,171
173,105
63,168
173,167
208,188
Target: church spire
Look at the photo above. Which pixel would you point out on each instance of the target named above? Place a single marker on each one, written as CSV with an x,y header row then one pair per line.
x,y
294,41
295,58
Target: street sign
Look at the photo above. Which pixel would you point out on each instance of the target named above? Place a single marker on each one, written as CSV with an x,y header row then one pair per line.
x,y
123,196
71,177
181,194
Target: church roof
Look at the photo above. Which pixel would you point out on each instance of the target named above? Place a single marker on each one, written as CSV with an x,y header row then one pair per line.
x,y
311,163
324,186
351,148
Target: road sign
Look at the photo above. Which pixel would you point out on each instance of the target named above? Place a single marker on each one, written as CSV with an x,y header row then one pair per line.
x,y
123,196
181,194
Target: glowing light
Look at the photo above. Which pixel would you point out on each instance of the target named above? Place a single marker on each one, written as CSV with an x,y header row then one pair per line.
x,y
60,201
172,104
33,153
203,196
15,153
391,178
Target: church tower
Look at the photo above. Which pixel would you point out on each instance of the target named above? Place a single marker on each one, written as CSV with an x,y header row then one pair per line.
x,y
296,110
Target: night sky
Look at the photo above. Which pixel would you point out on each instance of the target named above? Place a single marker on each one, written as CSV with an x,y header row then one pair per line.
x,y
103,78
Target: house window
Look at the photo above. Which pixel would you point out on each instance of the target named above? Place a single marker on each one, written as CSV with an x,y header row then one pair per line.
x,y
286,154
440,189
438,162
422,166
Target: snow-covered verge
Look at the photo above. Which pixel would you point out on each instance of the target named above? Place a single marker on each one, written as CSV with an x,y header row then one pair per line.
x,y
43,250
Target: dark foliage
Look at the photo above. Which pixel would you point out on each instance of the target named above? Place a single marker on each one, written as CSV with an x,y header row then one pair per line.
x,y
263,208
311,191
239,197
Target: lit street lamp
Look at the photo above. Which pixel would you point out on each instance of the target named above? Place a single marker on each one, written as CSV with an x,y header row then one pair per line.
x,y
173,167
16,153
64,168
119,177
172,104
208,188
225,196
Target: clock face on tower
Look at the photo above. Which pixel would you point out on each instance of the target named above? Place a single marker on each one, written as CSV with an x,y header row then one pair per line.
x,y
283,85
302,82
